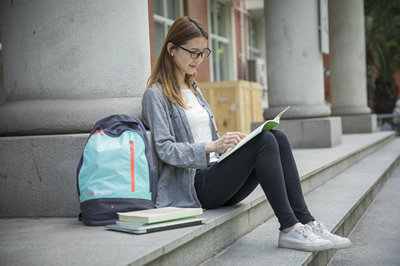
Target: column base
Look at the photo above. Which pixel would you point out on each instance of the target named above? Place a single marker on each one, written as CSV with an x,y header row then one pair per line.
x,y
352,110
62,116
298,111
323,132
365,123
38,175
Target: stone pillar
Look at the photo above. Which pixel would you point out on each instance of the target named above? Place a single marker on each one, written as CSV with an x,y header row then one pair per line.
x,y
347,63
295,73
70,63
66,65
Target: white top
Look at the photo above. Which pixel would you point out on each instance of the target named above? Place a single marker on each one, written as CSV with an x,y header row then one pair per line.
x,y
199,120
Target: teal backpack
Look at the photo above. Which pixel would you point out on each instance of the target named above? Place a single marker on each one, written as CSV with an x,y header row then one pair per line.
x,y
116,171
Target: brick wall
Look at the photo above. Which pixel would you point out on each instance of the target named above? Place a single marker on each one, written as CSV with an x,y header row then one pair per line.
x,y
198,10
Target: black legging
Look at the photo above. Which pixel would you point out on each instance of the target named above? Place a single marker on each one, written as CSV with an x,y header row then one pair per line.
x,y
266,160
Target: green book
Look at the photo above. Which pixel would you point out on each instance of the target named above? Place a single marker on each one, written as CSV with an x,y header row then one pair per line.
x,y
267,125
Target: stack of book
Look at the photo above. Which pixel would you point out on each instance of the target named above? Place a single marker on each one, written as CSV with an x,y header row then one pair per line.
x,y
139,222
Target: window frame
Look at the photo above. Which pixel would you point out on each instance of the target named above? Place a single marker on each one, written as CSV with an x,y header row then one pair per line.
x,y
215,74
164,20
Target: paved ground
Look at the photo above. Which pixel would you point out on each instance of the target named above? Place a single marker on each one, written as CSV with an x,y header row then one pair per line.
x,y
376,238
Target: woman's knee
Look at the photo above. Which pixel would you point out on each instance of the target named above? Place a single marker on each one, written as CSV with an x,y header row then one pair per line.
x,y
267,135
280,137
267,138
278,134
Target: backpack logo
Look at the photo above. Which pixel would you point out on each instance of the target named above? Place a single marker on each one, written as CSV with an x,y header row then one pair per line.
x,y
100,193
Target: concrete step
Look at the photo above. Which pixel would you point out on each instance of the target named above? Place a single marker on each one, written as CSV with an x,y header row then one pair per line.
x,y
39,172
66,241
339,204
376,236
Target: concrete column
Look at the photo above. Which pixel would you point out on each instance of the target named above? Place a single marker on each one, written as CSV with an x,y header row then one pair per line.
x,y
295,73
66,65
295,66
347,63
70,63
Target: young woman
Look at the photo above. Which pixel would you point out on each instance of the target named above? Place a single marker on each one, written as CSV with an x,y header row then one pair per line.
x,y
187,144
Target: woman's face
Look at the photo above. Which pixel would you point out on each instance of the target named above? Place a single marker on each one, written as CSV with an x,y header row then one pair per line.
x,y
183,58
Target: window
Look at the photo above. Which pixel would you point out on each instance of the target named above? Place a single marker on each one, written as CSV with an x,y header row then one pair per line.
x,y
219,21
254,35
165,13
256,52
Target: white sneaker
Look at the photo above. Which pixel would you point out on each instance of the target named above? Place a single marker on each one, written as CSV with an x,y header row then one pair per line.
x,y
338,241
302,238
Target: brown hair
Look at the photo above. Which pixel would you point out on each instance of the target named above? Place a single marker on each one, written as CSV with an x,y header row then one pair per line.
x,y
164,70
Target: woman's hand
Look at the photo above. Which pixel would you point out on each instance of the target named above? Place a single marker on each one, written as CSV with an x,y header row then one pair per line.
x,y
227,141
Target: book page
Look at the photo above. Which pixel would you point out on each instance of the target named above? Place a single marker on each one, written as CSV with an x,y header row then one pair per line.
x,y
274,122
159,214
267,125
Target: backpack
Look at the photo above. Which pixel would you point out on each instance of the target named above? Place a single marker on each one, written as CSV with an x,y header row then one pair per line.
x,y
116,171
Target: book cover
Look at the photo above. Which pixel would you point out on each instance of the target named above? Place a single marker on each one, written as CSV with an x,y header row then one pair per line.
x,y
143,229
159,215
267,125
123,222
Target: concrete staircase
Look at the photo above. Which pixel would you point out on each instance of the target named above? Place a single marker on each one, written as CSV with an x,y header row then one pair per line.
x,y
339,183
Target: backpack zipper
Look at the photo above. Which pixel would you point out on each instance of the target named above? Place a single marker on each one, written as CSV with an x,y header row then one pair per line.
x,y
98,131
133,165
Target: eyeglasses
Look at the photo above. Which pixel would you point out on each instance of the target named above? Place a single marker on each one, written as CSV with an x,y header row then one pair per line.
x,y
194,55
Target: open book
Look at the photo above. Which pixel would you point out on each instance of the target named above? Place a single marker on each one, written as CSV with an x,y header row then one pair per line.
x,y
267,125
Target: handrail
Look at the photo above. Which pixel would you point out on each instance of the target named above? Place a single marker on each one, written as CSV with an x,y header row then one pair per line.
x,y
382,116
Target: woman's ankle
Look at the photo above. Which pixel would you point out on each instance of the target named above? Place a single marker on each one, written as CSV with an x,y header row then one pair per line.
x,y
310,223
288,229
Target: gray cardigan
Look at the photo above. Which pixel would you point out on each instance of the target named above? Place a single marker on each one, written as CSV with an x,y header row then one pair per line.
x,y
178,155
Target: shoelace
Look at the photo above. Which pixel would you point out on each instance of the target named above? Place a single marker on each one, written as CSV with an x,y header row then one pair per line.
x,y
307,233
320,227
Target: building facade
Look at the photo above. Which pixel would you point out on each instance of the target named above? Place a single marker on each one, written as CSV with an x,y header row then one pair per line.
x,y
67,64
237,37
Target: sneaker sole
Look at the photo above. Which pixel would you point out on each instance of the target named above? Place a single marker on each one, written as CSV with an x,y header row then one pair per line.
x,y
342,245
302,247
